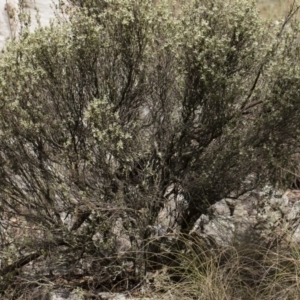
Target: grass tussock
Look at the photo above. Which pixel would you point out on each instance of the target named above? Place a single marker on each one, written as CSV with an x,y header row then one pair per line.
x,y
247,271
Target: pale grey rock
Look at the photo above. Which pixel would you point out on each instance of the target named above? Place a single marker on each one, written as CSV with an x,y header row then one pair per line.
x,y
296,234
200,223
220,208
263,214
112,296
294,213
221,229
170,214
82,295
66,295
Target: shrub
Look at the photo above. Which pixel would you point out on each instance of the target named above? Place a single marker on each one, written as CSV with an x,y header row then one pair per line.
x,y
109,115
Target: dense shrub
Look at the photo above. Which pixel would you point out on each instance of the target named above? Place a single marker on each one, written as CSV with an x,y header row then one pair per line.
x,y
128,104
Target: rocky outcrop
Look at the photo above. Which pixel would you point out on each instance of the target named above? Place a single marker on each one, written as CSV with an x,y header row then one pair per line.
x,y
257,215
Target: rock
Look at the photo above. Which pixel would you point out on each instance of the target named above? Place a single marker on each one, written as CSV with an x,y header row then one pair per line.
x,y
170,214
63,294
82,295
220,208
112,296
257,214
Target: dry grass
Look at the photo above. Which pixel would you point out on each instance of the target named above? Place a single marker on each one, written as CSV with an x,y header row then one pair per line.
x,y
248,271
